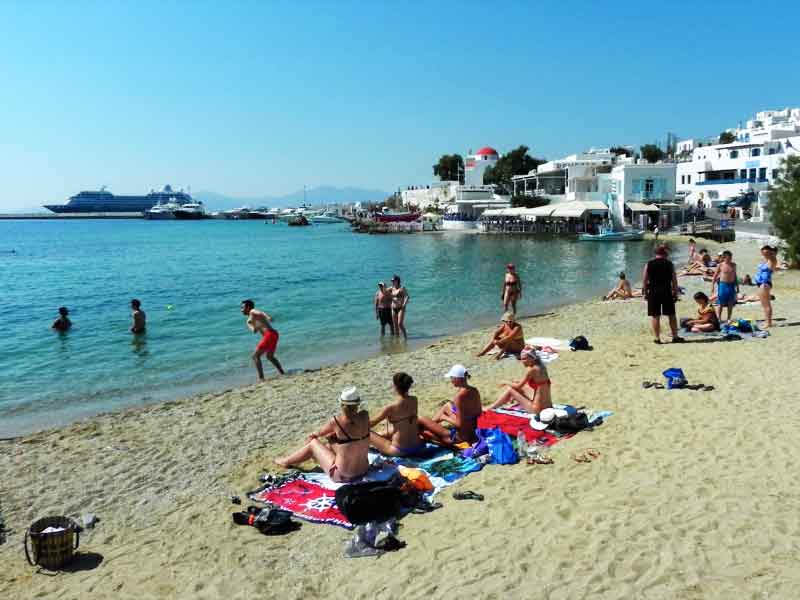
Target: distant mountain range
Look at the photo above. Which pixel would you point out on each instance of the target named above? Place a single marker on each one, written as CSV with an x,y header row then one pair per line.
x,y
323,194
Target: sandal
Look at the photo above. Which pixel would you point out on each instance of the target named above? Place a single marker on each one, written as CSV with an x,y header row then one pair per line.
x,y
657,342
678,340
468,495
586,456
658,386
647,384
708,388
539,460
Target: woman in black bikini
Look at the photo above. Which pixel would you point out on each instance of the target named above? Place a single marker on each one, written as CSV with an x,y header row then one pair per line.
x,y
512,289
345,458
402,438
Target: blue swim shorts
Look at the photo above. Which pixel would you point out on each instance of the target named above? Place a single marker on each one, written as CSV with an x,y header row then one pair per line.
x,y
726,294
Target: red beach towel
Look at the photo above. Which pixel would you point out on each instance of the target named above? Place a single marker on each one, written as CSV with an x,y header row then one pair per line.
x,y
308,501
511,425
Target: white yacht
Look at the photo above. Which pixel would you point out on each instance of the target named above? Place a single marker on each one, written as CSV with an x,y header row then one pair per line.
x,y
190,211
162,211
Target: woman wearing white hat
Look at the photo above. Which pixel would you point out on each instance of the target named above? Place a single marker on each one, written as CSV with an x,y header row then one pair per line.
x,y
461,412
532,392
345,459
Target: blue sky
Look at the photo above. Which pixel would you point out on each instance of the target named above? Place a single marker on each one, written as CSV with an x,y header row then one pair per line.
x,y
261,98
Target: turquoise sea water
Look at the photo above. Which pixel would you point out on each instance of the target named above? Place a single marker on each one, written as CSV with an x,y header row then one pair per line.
x,y
318,283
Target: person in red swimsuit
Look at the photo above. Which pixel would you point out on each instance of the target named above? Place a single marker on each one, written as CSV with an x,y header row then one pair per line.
x,y
532,392
260,322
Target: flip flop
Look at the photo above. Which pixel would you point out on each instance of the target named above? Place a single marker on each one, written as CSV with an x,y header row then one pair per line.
x,y
539,460
586,456
426,507
708,388
658,386
468,495
657,342
647,384
678,340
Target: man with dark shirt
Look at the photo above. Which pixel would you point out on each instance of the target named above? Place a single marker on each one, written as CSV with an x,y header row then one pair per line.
x,y
660,288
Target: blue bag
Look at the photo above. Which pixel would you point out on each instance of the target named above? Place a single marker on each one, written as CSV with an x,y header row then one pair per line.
x,y
501,449
675,378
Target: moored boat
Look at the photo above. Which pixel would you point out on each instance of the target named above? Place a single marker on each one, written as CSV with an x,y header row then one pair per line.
x,y
629,235
190,211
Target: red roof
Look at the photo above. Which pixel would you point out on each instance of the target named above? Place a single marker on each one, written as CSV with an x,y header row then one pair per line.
x,y
486,150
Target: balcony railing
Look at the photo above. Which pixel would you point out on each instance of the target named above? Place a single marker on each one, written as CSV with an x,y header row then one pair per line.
x,y
727,181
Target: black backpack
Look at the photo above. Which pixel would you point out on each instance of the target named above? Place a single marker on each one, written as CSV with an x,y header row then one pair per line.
x,y
572,423
579,343
367,502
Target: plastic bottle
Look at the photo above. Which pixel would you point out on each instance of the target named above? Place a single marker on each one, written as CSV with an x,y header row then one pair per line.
x,y
522,444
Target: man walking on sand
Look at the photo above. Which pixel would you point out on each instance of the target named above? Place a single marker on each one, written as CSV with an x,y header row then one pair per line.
x,y
660,288
727,283
260,322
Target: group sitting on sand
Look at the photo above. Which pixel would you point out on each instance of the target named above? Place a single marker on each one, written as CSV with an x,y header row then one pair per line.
x,y
341,445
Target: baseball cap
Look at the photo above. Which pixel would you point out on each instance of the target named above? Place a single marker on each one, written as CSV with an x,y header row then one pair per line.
x,y
457,372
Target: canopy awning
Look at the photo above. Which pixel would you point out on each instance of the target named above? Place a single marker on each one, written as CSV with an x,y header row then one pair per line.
x,y
641,207
504,212
578,208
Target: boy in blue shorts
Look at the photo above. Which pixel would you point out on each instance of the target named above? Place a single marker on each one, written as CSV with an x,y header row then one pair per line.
x,y
727,283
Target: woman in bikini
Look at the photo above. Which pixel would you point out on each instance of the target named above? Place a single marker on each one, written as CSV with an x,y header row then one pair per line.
x,y
763,280
532,392
508,338
344,458
461,413
399,301
402,438
512,289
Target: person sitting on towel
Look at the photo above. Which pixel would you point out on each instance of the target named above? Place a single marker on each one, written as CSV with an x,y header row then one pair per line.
x,y
344,458
623,291
532,392
401,437
508,338
707,319
461,412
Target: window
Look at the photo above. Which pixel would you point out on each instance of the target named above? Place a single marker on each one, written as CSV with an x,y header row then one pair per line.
x,y
771,151
752,175
743,174
755,152
688,179
762,174
734,154
648,186
683,177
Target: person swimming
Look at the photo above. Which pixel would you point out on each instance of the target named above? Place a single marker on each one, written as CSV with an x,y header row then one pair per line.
x,y
461,412
345,457
532,392
402,437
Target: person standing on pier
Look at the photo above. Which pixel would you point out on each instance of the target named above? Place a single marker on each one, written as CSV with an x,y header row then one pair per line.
x,y
260,322
512,289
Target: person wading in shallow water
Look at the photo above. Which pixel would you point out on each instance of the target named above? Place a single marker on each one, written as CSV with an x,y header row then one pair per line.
x,y
260,322
62,323
139,318
383,308
400,300
512,289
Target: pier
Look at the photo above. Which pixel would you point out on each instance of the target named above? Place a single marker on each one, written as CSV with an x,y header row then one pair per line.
x,y
68,216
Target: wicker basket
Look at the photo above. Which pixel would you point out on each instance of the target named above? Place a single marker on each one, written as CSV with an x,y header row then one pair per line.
x,y
52,550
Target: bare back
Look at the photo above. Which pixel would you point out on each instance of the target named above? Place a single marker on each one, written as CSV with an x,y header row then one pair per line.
x,y
467,402
352,443
402,416
258,321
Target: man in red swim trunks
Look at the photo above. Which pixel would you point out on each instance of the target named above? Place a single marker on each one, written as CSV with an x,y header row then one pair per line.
x,y
260,322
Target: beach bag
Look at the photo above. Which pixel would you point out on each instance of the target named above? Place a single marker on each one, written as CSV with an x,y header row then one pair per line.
x,y
675,378
367,502
572,423
501,449
579,343
52,550
275,521
744,326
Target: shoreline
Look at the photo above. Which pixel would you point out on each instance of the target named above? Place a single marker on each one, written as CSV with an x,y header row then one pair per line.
x,y
653,516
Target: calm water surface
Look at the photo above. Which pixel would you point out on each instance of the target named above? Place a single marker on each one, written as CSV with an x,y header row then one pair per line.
x,y
318,283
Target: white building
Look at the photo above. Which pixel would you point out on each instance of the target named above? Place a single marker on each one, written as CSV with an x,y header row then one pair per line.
x,y
462,204
718,172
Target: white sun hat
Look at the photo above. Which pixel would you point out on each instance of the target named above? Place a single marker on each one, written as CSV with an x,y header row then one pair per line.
x,y
350,396
543,420
457,372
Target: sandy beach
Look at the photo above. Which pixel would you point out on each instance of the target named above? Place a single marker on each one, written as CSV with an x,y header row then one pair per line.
x,y
694,494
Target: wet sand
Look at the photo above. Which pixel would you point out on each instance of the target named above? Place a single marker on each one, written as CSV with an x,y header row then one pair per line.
x,y
694,494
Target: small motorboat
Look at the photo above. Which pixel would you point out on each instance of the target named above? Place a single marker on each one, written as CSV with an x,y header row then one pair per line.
x,y
327,217
608,235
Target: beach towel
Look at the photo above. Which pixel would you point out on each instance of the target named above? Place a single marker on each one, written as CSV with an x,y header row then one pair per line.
x,y
545,342
546,355
512,424
306,500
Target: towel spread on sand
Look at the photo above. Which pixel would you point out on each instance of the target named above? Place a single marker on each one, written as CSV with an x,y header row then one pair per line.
x,y
545,342
311,496
545,355
511,421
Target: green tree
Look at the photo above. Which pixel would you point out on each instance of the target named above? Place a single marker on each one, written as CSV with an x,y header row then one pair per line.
x,y
784,208
652,153
621,151
450,168
528,201
516,162
726,137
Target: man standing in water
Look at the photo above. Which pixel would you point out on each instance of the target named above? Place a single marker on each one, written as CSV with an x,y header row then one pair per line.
x,y
660,288
383,308
260,322
139,319
62,323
